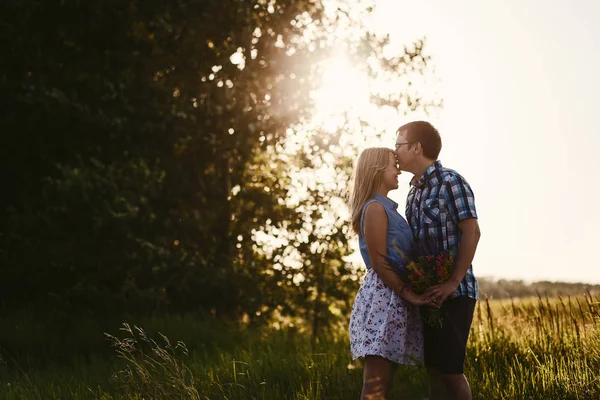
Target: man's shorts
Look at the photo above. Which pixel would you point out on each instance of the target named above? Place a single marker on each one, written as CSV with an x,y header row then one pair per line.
x,y
445,347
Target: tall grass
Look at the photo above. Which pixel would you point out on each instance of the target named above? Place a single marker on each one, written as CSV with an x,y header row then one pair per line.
x,y
535,349
152,370
542,349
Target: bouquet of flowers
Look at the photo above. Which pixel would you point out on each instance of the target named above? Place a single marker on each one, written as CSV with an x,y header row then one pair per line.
x,y
423,272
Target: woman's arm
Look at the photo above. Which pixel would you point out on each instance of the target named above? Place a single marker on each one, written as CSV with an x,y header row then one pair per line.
x,y
375,231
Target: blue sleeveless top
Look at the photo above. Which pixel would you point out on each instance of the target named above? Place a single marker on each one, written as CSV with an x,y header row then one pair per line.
x,y
399,235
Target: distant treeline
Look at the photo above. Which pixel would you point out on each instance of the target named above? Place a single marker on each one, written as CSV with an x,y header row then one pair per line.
x,y
502,288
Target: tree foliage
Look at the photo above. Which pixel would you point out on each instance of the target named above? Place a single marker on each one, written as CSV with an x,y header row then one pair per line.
x,y
144,148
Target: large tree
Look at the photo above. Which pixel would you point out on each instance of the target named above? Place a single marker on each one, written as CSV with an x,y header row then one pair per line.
x,y
144,146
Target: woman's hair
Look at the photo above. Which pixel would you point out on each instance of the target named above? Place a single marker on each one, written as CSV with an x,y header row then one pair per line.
x,y
366,179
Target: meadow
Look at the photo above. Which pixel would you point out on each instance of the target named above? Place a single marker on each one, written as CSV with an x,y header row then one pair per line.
x,y
537,348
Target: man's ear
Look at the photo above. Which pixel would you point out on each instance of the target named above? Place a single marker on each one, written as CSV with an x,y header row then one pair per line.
x,y
418,148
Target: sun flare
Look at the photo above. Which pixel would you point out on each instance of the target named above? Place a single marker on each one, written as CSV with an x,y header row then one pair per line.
x,y
344,91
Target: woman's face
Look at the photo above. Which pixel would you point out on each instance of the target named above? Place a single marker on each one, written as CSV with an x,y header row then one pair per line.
x,y
390,174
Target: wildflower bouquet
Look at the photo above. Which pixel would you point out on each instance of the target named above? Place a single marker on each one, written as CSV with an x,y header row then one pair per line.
x,y
423,272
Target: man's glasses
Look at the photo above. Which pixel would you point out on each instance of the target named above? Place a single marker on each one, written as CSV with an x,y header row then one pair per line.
x,y
398,145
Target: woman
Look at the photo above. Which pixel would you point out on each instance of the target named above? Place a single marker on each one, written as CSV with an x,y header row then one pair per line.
x,y
385,327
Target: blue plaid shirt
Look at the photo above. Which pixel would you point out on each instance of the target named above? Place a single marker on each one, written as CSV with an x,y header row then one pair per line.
x,y
436,203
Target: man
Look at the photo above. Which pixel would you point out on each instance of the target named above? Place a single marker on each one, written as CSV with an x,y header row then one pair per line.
x,y
441,211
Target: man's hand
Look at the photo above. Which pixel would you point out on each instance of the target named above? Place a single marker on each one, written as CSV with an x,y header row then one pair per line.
x,y
441,292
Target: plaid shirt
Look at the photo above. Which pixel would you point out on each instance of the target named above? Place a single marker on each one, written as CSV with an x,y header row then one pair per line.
x,y
434,207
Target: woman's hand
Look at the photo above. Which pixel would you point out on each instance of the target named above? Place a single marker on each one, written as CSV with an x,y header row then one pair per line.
x,y
419,299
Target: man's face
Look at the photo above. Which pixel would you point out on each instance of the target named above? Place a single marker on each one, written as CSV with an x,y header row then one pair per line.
x,y
403,150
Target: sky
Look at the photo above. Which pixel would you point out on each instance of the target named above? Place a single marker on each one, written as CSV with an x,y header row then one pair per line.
x,y
520,81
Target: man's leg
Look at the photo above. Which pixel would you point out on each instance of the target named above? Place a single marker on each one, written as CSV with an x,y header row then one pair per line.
x,y
378,376
433,350
437,389
456,386
447,347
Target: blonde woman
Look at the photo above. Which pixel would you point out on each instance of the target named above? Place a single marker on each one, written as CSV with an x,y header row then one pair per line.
x,y
385,328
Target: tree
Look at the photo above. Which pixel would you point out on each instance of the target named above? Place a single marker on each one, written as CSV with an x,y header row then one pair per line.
x,y
147,148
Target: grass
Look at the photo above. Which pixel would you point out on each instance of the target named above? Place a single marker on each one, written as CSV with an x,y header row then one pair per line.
x,y
534,349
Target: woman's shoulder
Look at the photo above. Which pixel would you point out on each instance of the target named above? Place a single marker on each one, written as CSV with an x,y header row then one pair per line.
x,y
373,207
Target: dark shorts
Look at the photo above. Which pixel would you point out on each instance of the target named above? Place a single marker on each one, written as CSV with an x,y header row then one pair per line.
x,y
445,347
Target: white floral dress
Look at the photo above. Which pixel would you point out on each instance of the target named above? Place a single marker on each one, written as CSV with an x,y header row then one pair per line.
x,y
382,323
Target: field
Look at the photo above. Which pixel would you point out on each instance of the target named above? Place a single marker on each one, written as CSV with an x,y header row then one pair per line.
x,y
523,349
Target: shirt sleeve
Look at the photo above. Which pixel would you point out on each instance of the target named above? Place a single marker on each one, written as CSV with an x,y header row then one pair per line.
x,y
408,210
460,198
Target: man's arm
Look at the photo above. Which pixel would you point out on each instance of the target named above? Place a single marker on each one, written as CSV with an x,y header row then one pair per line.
x,y
470,234
469,238
461,205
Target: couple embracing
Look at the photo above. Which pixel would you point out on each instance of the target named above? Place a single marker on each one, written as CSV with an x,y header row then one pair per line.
x,y
386,325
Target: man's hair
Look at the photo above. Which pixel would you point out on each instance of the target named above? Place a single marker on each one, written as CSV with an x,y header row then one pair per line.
x,y
426,134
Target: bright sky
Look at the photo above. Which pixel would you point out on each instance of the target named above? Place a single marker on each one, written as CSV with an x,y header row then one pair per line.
x,y
520,81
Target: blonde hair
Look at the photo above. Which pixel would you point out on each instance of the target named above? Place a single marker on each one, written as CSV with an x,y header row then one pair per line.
x,y
366,179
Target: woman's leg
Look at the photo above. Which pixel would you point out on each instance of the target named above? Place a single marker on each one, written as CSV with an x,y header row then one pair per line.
x,y
378,377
